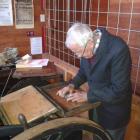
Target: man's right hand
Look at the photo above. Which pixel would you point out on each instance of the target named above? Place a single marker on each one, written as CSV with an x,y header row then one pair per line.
x,y
66,90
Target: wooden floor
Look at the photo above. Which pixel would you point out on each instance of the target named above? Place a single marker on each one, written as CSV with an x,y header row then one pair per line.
x,y
133,131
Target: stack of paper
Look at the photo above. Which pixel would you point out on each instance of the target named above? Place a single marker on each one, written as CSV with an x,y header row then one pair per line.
x,y
34,63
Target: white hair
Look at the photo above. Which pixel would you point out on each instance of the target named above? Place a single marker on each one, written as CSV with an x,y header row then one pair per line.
x,y
78,34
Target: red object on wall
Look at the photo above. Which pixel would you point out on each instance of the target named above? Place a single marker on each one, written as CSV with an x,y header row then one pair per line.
x,y
44,38
42,4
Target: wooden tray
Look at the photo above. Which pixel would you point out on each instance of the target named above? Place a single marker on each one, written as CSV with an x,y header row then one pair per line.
x,y
27,101
66,108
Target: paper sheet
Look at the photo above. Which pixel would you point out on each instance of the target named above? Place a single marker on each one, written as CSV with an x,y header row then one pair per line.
x,y
36,45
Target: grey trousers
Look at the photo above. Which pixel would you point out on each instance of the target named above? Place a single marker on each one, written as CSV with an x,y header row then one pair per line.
x,y
117,134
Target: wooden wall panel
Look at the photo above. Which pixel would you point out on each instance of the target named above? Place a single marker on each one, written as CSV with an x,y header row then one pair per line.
x,y
11,37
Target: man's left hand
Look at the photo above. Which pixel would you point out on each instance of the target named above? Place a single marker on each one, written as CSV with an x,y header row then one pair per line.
x,y
77,96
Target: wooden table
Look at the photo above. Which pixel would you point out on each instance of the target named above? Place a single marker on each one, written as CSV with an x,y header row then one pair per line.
x,y
48,70
24,77
36,77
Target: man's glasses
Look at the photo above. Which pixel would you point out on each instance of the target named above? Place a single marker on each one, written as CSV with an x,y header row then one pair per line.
x,y
84,49
80,53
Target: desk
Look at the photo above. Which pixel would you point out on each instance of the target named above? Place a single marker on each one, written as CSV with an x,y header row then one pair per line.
x,y
36,77
48,70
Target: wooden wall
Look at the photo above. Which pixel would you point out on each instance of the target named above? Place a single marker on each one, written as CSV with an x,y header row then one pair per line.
x,y
11,37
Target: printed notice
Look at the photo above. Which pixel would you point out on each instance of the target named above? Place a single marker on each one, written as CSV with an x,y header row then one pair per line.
x,y
6,13
36,45
24,14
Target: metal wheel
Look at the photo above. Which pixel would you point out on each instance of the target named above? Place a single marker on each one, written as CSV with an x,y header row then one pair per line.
x,y
60,128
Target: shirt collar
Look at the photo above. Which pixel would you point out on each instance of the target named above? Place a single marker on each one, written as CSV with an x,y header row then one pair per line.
x,y
97,41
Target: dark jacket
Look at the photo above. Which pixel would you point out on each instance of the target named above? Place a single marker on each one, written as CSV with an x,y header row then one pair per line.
x,y
109,81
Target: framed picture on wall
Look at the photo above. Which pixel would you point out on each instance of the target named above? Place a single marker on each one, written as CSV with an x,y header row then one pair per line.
x,y
6,13
24,14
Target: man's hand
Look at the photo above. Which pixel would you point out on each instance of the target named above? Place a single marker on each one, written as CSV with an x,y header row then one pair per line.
x,y
78,96
66,90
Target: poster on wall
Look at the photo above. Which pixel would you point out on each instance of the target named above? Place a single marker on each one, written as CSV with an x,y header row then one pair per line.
x,y
24,14
6,13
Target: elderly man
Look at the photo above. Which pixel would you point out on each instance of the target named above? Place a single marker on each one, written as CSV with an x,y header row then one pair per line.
x,y
106,66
